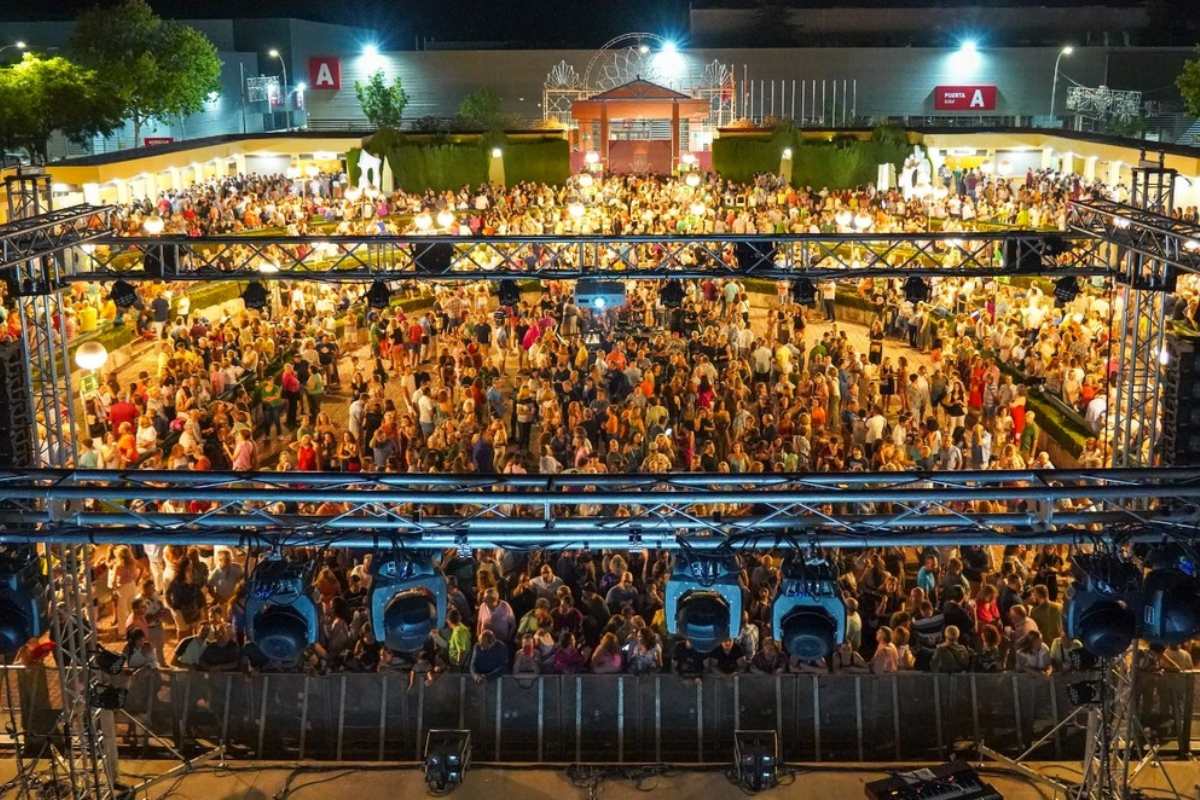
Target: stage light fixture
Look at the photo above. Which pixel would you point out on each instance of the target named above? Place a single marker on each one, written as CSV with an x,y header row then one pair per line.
x,y
255,296
756,760
123,295
408,601
282,618
1104,603
672,293
599,295
916,290
22,599
1171,614
379,295
809,616
1084,693
1066,289
704,600
447,756
804,292
106,697
510,293
103,660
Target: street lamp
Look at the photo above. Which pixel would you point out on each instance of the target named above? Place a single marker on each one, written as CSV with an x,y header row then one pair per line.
x,y
19,45
273,53
1066,51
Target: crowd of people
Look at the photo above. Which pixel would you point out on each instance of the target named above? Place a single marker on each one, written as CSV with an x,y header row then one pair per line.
x,y
721,377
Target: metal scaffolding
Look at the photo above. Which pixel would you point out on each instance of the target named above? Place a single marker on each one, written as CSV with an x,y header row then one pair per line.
x,y
454,258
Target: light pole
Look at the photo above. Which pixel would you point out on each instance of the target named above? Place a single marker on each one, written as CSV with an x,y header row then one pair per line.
x,y
1066,51
19,45
287,114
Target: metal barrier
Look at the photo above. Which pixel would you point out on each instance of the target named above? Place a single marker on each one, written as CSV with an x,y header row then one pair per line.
x,y
605,719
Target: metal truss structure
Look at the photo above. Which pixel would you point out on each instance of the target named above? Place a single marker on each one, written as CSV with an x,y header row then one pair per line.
x,y
33,243
1148,250
600,511
816,256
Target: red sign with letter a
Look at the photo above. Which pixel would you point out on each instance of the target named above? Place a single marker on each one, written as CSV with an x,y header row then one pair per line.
x,y
325,72
964,98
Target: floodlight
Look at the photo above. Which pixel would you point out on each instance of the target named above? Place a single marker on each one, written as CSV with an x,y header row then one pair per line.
x,y
703,600
809,616
408,601
756,760
283,621
255,296
447,756
379,295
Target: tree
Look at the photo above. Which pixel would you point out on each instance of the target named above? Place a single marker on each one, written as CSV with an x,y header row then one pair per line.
x,y
41,95
383,105
1189,84
481,109
158,69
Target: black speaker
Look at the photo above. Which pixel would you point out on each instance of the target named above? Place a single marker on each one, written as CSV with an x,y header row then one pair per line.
x,y
510,293
16,409
756,255
434,258
1181,402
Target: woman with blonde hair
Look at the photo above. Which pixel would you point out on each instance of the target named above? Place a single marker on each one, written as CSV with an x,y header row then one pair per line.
x,y
123,577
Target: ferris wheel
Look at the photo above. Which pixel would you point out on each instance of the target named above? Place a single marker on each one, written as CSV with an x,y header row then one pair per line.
x,y
635,55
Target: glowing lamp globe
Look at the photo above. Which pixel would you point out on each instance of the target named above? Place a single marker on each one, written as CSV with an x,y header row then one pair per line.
x,y
91,355
445,219
353,194
591,157
586,180
575,210
843,218
423,221
497,152
698,209
862,221
693,179
153,225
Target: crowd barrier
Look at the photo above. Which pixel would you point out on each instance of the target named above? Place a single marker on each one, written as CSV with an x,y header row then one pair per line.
x,y
605,719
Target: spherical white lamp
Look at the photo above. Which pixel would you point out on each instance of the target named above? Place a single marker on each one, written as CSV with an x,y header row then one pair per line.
x,y
423,221
575,210
91,356
153,225
445,219
586,180
693,179
862,221
591,157
697,209
787,152
497,152
843,218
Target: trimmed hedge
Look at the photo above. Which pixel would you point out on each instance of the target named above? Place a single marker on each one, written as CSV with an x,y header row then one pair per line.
x,y
545,161
839,164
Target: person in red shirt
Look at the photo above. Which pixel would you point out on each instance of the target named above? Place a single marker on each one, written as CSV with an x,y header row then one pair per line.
x,y
120,412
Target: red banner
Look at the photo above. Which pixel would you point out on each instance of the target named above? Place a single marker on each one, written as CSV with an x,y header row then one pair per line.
x,y
964,98
153,140
325,72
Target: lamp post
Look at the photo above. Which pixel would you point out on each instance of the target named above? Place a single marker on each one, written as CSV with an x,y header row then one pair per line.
x,y
1066,51
19,45
273,53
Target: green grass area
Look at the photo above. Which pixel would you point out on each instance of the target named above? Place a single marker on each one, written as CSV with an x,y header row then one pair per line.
x,y
842,163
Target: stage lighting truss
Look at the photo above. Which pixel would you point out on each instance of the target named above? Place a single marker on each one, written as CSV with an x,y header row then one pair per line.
x,y
408,601
447,757
817,256
282,618
704,599
809,615
756,760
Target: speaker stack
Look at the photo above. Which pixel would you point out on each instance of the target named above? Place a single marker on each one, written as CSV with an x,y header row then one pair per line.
x,y
16,409
1181,402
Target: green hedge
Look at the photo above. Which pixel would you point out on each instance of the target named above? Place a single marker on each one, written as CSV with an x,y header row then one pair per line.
x,y
545,161
840,164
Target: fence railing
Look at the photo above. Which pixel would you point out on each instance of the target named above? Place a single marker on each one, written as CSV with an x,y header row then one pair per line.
x,y
604,718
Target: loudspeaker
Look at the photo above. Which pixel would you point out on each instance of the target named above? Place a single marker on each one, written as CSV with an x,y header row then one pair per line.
x,y
1181,402
751,256
510,293
16,409
434,258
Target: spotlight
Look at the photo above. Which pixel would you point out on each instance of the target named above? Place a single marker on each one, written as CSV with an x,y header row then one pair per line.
x,y
803,292
672,293
1084,693
22,597
916,290
510,293
108,698
704,600
106,661
370,50
968,47
283,619
1103,604
447,756
600,295
123,295
809,616
1171,614
756,760
255,296
1066,289
445,218
379,295
408,600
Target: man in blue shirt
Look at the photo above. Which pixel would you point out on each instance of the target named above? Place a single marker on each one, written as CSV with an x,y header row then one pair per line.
x,y
927,576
